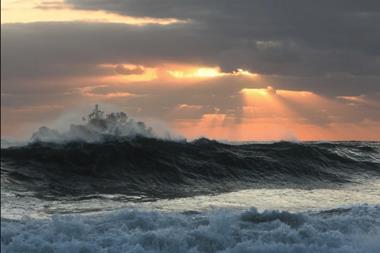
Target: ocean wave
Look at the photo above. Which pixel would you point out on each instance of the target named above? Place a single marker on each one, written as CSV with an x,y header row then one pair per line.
x,y
98,127
351,230
152,167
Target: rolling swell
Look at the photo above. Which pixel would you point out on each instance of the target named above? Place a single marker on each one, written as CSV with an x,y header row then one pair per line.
x,y
157,168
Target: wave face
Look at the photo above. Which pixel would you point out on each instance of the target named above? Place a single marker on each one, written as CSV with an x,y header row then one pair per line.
x,y
157,168
354,230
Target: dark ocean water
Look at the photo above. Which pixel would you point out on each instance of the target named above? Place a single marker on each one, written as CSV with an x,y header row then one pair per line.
x,y
158,168
150,195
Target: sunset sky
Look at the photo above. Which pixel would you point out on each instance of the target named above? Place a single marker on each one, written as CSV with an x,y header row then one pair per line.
x,y
231,70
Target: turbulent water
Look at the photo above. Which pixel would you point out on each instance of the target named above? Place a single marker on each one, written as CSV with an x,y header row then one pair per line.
x,y
150,195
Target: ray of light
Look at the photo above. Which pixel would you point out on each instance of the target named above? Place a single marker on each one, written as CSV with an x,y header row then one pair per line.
x,y
263,103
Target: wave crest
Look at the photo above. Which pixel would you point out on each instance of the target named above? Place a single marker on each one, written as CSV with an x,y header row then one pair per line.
x,y
171,169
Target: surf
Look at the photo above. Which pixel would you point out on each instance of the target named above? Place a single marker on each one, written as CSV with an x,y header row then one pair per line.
x,y
161,168
348,230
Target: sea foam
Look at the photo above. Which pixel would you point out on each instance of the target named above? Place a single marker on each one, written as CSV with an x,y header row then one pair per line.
x,y
224,230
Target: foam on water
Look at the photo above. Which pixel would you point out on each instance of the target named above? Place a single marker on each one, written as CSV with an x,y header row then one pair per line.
x,y
16,204
356,229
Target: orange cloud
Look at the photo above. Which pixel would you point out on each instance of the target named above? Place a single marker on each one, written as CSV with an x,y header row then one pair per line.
x,y
89,92
59,11
185,72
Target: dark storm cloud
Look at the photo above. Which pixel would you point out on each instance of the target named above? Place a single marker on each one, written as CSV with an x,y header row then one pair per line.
x,y
326,24
30,48
307,37
304,44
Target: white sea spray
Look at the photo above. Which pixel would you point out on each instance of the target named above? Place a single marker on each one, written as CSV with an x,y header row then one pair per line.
x,y
224,230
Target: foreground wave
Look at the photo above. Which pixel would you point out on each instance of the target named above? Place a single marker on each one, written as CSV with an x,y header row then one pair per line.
x,y
352,230
157,168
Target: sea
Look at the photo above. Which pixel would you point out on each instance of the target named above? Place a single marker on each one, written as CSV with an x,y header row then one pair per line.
x,y
148,195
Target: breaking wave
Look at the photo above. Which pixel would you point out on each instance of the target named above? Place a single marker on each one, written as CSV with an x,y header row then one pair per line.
x,y
157,168
351,230
99,127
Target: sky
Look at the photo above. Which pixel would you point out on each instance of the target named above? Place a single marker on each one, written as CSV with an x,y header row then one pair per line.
x,y
230,70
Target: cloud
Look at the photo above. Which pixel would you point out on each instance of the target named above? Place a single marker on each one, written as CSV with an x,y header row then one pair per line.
x,y
323,24
120,69
328,48
74,48
48,5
